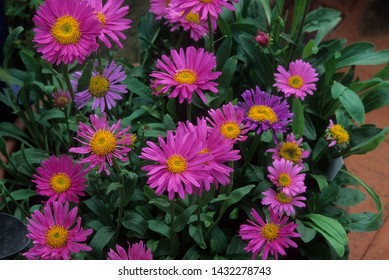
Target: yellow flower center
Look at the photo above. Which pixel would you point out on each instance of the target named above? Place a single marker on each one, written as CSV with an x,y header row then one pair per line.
x,y
56,237
167,3
262,113
66,30
98,86
340,134
101,17
270,231
102,143
62,101
284,180
283,198
176,164
295,81
193,17
290,151
206,1
185,76
60,182
230,130
133,140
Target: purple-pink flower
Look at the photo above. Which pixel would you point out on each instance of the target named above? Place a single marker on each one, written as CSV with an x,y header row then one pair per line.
x,y
102,142
190,71
66,31
205,8
270,237
60,179
299,81
282,203
262,38
159,7
62,99
337,135
137,251
54,234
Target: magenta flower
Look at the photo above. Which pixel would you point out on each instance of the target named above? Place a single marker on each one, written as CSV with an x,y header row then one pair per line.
x,y
112,19
337,135
229,122
270,237
290,150
262,38
62,99
180,164
158,7
102,142
264,111
282,203
60,179
105,88
135,252
66,31
299,80
204,8
285,175
190,71
218,147
54,234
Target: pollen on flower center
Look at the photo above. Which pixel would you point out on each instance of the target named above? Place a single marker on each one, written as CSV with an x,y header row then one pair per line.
x,y
193,17
176,164
185,76
290,151
340,134
102,143
66,30
206,1
295,81
283,198
101,17
60,182
56,237
284,180
262,113
270,231
98,86
230,130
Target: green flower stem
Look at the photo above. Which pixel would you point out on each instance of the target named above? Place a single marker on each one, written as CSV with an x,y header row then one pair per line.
x,y
210,31
5,190
70,143
121,195
172,229
65,75
152,43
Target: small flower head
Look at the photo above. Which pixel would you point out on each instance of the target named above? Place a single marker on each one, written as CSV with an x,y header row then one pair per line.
x,y
178,169
56,233
137,251
229,122
112,19
190,71
102,142
270,237
290,150
282,203
262,38
62,99
298,81
104,88
337,135
264,111
60,179
285,175
66,31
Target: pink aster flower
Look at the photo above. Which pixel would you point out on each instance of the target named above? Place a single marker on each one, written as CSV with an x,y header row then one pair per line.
x,y
204,8
54,234
337,135
218,147
282,203
229,122
62,99
158,7
66,31
264,111
290,150
112,18
190,22
270,237
180,164
190,71
285,175
60,179
105,88
102,142
137,251
299,80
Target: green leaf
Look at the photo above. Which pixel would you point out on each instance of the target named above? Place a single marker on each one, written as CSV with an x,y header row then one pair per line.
x,y
102,237
218,240
366,138
3,147
359,222
383,73
114,186
135,223
84,81
376,99
196,233
159,227
225,80
22,194
321,181
349,197
307,234
48,115
363,58
298,14
138,88
308,49
7,47
32,64
298,118
183,219
223,52
309,128
10,130
236,195
100,210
